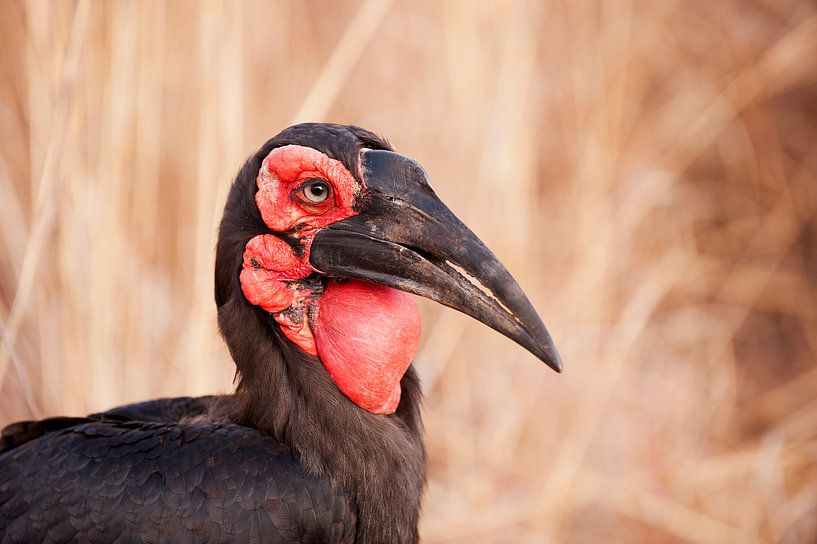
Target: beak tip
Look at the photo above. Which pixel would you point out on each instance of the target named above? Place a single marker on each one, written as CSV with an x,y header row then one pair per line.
x,y
548,355
537,340
554,362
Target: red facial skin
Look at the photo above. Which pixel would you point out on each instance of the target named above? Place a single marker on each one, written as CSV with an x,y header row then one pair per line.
x,y
269,279
365,334
283,170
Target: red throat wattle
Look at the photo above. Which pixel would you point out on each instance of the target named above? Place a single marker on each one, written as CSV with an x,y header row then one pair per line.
x,y
365,334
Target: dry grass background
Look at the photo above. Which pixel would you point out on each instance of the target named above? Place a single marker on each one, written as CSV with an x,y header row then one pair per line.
x,y
648,171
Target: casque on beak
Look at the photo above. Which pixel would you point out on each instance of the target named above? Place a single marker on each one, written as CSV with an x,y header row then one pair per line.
x,y
405,237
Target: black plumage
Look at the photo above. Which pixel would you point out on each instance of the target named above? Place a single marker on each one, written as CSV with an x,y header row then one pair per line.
x,y
162,471
288,457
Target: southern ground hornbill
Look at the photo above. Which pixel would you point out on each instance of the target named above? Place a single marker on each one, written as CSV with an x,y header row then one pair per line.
x,y
325,232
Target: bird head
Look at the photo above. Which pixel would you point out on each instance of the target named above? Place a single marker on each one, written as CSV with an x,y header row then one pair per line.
x,y
328,232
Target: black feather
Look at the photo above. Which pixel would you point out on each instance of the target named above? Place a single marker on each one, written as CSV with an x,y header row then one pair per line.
x,y
288,458
113,479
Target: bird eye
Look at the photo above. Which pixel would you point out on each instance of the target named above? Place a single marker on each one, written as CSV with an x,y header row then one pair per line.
x,y
316,191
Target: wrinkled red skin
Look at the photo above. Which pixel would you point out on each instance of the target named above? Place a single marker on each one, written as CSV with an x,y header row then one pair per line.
x,y
283,170
268,279
365,334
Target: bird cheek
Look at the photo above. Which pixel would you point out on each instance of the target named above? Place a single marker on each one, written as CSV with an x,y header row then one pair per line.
x,y
269,279
269,262
262,288
269,252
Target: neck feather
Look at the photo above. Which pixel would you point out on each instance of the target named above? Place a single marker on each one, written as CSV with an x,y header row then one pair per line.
x,y
377,460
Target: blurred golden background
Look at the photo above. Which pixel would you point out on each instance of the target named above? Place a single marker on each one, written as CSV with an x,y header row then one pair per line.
x,y
647,170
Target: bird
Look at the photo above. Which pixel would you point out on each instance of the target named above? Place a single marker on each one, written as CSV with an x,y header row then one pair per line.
x,y
327,235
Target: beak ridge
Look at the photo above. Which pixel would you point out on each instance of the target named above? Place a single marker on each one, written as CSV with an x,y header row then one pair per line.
x,y
405,237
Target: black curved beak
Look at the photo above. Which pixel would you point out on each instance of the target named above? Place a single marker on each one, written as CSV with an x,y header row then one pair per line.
x,y
405,237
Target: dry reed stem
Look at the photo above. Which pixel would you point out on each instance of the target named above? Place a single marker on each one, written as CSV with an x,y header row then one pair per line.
x,y
338,66
45,202
646,170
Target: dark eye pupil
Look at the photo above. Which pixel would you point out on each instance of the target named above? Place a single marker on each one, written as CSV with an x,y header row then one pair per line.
x,y
316,192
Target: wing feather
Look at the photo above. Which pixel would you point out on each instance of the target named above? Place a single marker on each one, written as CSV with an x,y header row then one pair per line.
x,y
136,475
